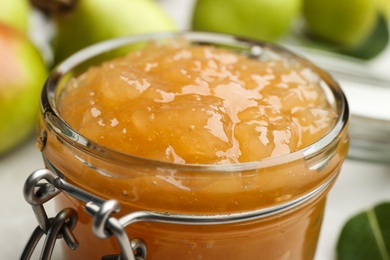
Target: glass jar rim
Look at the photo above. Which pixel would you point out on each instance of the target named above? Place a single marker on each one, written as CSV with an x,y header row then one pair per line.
x,y
66,133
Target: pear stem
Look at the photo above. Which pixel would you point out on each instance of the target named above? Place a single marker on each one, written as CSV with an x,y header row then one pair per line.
x,y
54,7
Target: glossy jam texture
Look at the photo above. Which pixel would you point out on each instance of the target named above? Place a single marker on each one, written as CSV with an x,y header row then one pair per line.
x,y
192,104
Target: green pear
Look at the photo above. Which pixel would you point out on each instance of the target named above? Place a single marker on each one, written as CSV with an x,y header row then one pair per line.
x,y
383,7
344,22
258,19
15,13
22,75
92,21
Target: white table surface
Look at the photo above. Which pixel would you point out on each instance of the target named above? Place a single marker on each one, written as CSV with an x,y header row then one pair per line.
x,y
361,184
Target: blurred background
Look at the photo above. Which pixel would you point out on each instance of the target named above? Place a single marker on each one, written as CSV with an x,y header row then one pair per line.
x,y
349,39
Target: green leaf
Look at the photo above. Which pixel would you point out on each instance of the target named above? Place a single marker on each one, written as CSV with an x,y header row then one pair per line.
x,y
366,235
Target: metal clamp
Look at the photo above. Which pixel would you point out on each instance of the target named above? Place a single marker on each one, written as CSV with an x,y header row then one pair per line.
x,y
37,193
104,226
43,185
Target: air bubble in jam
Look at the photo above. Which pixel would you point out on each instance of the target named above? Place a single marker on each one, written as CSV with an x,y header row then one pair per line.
x,y
184,103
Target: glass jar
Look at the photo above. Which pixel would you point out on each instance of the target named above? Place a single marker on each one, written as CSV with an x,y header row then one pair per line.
x,y
269,209
368,93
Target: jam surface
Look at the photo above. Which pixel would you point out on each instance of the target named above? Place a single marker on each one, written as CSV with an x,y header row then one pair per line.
x,y
193,104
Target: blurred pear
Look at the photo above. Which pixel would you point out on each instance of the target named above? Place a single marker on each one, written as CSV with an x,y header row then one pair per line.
x,y
267,20
346,22
15,13
86,22
22,75
384,8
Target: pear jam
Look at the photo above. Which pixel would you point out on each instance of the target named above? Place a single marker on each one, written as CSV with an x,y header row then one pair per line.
x,y
178,111
198,105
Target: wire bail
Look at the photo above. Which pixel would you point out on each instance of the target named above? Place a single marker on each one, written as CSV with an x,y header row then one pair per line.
x,y
43,185
36,194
